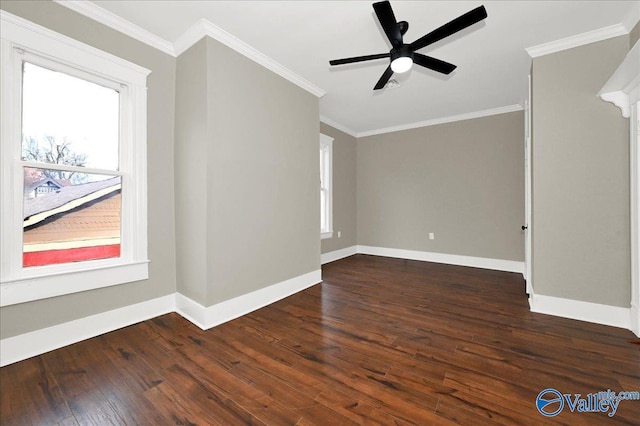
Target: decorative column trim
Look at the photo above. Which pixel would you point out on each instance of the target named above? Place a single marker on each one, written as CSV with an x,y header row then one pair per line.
x,y
619,99
623,90
623,87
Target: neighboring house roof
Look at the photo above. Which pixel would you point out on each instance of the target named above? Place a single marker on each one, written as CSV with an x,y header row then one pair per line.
x,y
31,178
41,182
67,198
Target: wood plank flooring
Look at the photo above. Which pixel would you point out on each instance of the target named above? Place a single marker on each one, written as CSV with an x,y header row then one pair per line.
x,y
380,341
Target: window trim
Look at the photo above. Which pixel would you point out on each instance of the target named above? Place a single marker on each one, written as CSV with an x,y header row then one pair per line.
x,y
24,39
326,143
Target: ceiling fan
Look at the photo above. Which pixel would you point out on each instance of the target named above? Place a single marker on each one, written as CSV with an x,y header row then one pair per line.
x,y
403,56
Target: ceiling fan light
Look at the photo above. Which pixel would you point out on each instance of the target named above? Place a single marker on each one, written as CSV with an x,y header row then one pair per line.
x,y
401,64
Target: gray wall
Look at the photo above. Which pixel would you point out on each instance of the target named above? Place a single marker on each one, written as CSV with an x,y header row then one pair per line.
x,y
191,164
580,177
257,209
463,181
25,317
344,190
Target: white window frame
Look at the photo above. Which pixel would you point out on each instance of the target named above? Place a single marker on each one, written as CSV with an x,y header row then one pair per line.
x,y
326,149
23,40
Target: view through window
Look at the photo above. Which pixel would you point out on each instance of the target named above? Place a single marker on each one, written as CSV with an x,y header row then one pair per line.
x,y
326,196
72,188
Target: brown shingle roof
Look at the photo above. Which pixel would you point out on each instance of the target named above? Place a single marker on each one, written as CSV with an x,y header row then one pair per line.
x,y
65,195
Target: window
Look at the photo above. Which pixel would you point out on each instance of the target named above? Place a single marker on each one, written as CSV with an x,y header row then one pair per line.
x,y
73,166
326,187
71,124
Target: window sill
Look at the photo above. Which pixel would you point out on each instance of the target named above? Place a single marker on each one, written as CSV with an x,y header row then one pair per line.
x,y
325,235
23,290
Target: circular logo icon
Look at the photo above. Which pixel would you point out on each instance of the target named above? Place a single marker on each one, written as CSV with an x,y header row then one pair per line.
x,y
549,402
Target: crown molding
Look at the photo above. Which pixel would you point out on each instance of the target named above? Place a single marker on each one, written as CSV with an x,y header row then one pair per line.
x,y
338,126
443,120
123,68
577,40
191,36
632,19
623,87
111,20
205,28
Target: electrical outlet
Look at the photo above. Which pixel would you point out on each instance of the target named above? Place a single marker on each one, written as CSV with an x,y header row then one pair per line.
x,y
432,236
339,234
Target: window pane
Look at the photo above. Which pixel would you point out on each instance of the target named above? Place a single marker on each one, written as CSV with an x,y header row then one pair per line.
x,y
323,210
69,218
321,168
67,120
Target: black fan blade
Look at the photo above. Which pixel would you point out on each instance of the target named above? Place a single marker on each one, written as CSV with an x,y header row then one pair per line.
x,y
358,59
433,63
388,21
384,79
451,27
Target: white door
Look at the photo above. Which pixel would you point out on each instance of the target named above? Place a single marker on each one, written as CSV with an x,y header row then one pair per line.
x,y
526,228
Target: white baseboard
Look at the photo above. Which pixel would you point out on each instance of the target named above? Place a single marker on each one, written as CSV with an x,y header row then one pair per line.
x,y
190,310
207,317
584,311
23,346
451,259
17,348
27,345
332,256
634,314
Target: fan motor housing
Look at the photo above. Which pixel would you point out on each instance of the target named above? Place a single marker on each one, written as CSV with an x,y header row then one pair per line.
x,y
402,51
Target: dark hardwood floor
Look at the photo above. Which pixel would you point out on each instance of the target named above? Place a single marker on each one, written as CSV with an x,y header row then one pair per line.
x,y
380,341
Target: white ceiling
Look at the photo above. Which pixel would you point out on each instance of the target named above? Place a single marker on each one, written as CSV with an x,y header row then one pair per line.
x,y
304,35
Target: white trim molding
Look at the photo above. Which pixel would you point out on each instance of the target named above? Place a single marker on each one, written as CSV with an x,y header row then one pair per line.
x,y
623,90
67,282
338,126
111,20
619,99
66,48
442,120
23,346
597,313
326,185
211,316
623,87
332,256
23,41
191,36
634,315
451,259
628,318
577,40
204,28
